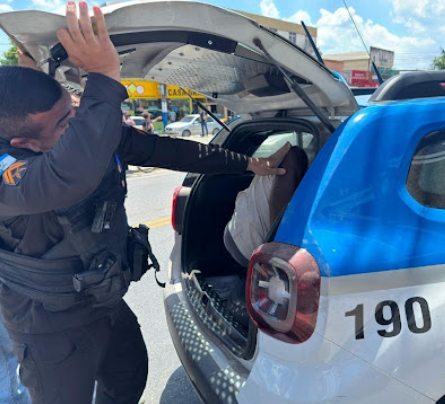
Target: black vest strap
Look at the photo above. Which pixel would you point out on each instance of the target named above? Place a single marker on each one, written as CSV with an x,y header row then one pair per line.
x,y
47,281
97,236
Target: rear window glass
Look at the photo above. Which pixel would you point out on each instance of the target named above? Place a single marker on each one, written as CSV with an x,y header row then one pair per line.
x,y
305,140
426,177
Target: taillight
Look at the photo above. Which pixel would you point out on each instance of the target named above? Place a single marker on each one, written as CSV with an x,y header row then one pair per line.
x,y
283,291
175,199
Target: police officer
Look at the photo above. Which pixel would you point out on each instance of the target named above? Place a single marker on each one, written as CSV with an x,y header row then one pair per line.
x,y
67,254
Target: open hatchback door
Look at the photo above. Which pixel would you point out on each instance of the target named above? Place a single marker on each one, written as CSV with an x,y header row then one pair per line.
x,y
210,50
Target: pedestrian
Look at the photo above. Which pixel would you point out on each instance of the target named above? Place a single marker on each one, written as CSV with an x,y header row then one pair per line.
x,y
203,121
172,116
127,119
147,125
67,252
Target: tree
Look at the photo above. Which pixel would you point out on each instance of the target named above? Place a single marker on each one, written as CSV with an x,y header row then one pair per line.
x,y
10,56
439,61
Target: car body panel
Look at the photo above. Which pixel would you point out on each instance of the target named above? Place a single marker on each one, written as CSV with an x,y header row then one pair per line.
x,y
335,367
380,254
201,47
399,231
375,245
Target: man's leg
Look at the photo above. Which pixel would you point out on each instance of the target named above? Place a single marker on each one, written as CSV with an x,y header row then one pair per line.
x,y
60,368
11,389
123,373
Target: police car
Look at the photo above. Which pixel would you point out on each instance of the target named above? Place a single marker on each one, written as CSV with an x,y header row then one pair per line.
x,y
344,301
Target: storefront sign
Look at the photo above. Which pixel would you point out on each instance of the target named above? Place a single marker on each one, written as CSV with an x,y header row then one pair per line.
x,y
148,89
176,92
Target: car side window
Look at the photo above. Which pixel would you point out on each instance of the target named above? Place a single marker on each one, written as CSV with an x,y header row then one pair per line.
x,y
426,177
305,140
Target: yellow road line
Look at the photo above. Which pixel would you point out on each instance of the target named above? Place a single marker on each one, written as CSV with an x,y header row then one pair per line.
x,y
163,221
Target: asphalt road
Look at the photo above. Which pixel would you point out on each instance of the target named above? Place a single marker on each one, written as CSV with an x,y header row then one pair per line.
x,y
149,200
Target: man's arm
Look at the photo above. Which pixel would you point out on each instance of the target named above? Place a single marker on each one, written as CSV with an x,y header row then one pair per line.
x,y
177,154
184,155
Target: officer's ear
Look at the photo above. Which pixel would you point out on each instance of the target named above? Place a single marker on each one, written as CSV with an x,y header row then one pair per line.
x,y
26,143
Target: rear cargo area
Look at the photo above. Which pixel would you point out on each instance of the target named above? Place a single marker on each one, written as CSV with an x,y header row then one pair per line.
x,y
216,281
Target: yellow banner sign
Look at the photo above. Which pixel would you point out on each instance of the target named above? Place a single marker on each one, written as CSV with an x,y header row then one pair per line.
x,y
141,89
149,89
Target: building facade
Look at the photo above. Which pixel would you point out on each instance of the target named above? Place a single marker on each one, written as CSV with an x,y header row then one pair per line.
x,y
356,67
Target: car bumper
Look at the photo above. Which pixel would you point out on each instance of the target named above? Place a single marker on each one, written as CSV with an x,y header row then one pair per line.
x,y
212,370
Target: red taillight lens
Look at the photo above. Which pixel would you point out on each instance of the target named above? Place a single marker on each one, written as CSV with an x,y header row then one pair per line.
x,y
283,291
175,199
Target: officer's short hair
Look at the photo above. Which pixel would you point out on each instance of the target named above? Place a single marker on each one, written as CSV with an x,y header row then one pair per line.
x,y
24,91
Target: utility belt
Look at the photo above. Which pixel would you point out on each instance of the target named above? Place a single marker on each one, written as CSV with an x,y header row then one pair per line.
x,y
63,284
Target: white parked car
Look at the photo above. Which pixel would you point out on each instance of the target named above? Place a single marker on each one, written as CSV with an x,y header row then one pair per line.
x,y
190,125
344,302
139,121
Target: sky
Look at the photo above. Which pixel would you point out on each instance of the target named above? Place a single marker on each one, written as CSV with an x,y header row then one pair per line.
x,y
413,29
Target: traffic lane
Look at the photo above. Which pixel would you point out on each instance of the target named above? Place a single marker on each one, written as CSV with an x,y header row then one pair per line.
x,y
149,201
150,196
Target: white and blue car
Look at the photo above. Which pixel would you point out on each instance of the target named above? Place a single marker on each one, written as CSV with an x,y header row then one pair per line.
x,y
345,300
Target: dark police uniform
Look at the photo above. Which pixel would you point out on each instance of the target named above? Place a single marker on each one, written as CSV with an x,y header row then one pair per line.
x,y
66,250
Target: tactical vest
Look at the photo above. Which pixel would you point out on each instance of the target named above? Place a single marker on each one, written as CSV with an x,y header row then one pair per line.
x,y
103,254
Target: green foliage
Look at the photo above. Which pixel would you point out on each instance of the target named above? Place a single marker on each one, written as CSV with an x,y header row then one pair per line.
x,y
439,61
10,56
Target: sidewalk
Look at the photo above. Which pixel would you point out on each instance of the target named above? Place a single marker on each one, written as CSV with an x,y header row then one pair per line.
x,y
135,171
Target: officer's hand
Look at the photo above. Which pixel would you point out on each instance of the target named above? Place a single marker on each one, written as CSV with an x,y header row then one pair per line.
x,y
92,52
268,166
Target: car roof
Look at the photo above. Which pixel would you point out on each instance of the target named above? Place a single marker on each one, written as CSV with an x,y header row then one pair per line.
x,y
172,41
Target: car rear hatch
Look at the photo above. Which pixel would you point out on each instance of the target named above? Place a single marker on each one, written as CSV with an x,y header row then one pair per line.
x,y
207,49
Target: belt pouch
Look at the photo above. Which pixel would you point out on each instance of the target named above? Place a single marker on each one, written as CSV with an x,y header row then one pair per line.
x,y
139,249
106,281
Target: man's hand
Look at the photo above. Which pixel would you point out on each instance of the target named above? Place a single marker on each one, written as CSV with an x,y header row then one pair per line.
x,y
92,52
268,166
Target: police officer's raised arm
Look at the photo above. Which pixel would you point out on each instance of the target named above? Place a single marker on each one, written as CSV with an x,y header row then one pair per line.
x,y
48,164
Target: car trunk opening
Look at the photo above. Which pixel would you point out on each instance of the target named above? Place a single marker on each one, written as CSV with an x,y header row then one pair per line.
x,y
214,280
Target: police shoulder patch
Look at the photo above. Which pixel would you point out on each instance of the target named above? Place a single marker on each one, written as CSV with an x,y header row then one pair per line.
x,y
15,172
